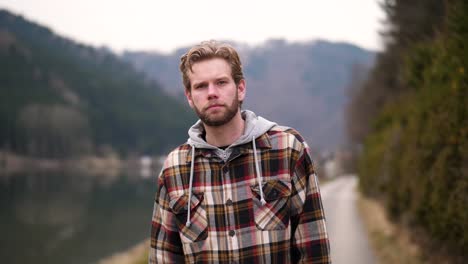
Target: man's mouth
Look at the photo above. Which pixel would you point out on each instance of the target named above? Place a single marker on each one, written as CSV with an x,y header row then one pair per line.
x,y
214,106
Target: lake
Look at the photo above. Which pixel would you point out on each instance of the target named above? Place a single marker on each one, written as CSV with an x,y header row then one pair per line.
x,y
69,218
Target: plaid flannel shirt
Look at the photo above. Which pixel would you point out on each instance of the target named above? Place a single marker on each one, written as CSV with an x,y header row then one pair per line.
x,y
229,224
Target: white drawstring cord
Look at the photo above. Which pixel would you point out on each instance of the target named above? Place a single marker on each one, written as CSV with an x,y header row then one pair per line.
x,y
188,223
259,175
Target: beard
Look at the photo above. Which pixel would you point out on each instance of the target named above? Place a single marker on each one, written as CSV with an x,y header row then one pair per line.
x,y
216,121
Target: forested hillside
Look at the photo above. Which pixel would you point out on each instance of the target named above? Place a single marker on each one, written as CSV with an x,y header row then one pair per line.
x,y
411,118
59,98
303,85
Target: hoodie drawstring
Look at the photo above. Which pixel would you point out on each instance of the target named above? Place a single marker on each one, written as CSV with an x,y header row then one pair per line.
x,y
259,175
188,223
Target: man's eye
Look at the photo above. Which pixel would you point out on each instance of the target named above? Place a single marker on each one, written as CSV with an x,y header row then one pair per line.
x,y
221,82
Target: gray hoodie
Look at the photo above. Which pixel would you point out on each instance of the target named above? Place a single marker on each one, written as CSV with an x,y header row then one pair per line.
x,y
255,126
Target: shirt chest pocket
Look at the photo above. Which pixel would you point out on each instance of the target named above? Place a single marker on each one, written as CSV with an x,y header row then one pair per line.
x,y
274,215
197,230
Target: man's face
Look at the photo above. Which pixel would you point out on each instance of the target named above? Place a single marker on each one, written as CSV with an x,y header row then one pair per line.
x,y
213,94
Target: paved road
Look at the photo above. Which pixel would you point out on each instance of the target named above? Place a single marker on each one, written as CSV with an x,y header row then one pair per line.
x,y
348,239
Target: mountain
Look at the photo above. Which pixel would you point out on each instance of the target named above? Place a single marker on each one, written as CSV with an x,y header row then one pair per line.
x,y
303,85
60,98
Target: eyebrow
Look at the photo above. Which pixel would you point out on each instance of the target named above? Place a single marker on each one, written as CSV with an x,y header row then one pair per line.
x,y
198,84
225,77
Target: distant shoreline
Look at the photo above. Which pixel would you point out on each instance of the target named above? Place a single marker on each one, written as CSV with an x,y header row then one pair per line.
x,y
110,165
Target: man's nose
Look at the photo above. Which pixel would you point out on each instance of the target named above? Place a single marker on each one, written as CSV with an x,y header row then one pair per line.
x,y
212,90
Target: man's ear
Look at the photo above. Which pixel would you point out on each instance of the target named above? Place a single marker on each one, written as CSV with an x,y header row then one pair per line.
x,y
241,89
188,95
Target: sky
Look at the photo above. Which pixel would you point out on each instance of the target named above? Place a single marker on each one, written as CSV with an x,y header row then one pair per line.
x,y
164,25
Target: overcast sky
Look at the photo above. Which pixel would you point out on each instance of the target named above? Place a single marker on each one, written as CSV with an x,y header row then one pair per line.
x,y
166,25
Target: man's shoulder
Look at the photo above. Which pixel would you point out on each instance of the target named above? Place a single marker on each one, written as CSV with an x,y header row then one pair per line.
x,y
283,138
280,132
177,156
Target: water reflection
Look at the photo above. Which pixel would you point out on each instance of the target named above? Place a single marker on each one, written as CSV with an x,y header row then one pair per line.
x,y
66,218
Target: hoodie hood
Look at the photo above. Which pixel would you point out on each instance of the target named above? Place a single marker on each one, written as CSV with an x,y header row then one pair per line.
x,y
255,126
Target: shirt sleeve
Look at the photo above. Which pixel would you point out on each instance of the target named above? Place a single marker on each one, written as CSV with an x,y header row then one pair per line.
x,y
309,243
166,246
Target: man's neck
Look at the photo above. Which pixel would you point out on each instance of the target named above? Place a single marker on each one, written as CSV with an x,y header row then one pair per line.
x,y
226,134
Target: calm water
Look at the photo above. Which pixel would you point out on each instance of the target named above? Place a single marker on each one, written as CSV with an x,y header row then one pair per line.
x,y
63,218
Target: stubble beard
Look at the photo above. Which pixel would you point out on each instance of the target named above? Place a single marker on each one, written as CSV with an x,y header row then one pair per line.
x,y
230,111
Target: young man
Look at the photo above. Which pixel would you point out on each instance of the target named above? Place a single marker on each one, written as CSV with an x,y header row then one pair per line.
x,y
242,189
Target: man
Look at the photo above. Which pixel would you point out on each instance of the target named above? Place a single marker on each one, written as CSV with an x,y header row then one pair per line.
x,y
242,189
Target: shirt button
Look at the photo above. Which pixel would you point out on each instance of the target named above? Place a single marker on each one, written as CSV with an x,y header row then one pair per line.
x,y
229,202
232,233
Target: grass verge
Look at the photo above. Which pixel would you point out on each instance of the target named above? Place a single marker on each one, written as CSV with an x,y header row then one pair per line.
x,y
135,255
391,243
